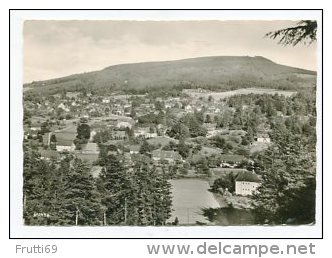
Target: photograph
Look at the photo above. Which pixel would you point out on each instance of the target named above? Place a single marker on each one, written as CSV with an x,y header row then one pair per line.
x,y
169,123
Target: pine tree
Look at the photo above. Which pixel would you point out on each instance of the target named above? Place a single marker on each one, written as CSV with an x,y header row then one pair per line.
x,y
153,193
115,188
79,202
145,148
165,209
144,185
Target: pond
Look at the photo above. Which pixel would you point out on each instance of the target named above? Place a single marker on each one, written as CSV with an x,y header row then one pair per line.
x,y
230,216
190,196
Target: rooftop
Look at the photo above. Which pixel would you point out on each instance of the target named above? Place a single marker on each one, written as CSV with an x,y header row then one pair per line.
x,y
90,147
166,154
247,176
95,171
64,138
232,157
49,153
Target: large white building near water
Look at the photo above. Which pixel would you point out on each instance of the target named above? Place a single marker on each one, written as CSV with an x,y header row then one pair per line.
x,y
246,183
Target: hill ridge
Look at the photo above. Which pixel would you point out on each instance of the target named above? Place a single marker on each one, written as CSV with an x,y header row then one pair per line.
x,y
204,71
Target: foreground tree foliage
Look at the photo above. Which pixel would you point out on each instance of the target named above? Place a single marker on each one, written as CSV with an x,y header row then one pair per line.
x,y
37,189
79,202
304,32
63,192
287,193
59,193
114,188
151,195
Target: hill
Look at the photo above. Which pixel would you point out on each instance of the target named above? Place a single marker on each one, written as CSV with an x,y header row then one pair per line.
x,y
223,72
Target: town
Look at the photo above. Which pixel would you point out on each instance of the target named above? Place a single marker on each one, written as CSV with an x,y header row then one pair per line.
x,y
213,141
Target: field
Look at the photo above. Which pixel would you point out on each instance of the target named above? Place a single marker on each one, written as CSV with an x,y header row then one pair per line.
x,y
227,94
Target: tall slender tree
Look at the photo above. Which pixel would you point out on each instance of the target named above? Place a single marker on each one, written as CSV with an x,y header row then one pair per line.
x,y
114,187
79,198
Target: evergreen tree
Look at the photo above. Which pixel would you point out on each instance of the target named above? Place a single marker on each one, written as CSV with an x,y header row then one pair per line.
x,y
36,189
145,148
183,149
83,131
305,32
114,187
153,193
144,180
208,119
53,142
79,199
289,176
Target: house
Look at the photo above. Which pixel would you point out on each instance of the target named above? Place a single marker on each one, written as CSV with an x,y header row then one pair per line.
x,y
65,147
134,149
188,108
84,118
49,154
119,135
72,94
228,160
215,132
246,183
92,134
210,126
57,96
263,138
170,156
65,141
114,149
63,107
106,100
111,122
220,172
123,124
89,158
90,148
161,129
35,126
118,112
151,135
127,109
95,171
142,132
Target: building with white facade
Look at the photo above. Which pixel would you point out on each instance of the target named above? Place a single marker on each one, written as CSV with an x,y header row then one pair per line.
x,y
246,183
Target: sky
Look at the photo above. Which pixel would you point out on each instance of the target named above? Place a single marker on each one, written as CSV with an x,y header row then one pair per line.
x,y
55,49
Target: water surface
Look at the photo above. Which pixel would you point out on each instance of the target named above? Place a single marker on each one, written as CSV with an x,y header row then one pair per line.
x,y
189,197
